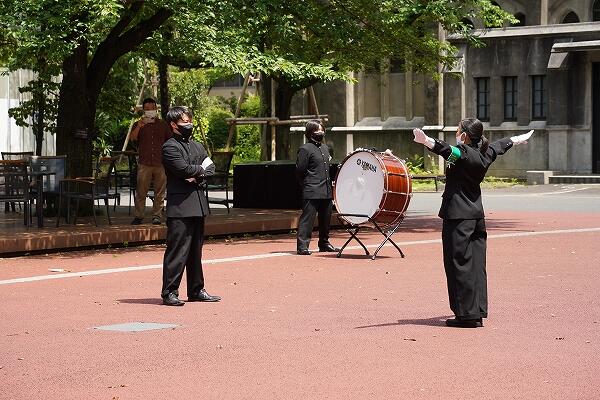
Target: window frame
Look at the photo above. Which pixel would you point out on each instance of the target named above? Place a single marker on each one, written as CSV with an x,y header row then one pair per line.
x,y
483,98
535,104
510,97
596,11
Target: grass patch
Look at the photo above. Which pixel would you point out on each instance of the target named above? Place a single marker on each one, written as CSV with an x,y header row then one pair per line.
x,y
490,182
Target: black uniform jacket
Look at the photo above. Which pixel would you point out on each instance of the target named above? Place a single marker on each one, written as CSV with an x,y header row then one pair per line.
x,y
462,195
183,159
312,171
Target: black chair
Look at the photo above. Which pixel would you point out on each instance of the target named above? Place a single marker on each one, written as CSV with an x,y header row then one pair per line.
x,y
126,177
14,185
94,189
51,183
18,155
220,180
104,170
49,170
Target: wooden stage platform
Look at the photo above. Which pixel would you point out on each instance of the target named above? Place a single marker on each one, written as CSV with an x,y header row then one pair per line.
x,y
16,238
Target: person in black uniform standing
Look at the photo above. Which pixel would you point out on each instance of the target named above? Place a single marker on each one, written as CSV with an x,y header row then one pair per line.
x,y
186,163
312,171
463,231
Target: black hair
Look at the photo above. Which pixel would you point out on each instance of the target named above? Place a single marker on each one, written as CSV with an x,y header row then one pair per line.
x,y
474,130
176,113
312,127
148,100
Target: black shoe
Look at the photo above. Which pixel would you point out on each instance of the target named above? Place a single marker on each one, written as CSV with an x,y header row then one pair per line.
x,y
172,300
328,248
303,252
464,323
203,296
136,221
155,221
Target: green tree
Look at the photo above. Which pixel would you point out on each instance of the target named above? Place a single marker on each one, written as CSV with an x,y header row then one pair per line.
x,y
20,47
295,43
82,40
310,41
116,103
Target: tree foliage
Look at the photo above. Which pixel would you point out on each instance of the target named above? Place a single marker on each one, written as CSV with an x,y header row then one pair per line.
x,y
296,43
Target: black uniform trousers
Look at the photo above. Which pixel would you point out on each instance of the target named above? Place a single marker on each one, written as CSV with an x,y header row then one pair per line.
x,y
464,244
184,250
310,208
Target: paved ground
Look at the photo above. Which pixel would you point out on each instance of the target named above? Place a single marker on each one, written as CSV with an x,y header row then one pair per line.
x,y
293,327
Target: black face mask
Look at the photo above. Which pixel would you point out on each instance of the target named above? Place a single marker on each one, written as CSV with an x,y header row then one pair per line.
x,y
318,136
185,130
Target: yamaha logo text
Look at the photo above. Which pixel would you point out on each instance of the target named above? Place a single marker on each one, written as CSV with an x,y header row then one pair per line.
x,y
366,166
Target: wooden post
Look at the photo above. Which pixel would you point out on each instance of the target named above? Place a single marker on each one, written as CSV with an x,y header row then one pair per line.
x,y
273,127
233,126
313,100
273,141
136,104
204,137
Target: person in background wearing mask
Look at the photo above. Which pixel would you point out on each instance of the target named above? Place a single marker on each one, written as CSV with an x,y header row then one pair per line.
x,y
312,171
186,164
463,230
151,133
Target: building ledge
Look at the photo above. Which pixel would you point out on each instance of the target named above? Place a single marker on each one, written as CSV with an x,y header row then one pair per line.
x,y
533,30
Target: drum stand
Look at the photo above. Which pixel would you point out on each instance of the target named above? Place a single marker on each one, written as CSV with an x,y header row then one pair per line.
x,y
354,229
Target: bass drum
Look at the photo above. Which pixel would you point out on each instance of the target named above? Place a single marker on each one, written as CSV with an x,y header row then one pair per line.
x,y
376,185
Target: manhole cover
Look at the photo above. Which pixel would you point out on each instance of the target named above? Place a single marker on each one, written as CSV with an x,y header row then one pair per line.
x,y
135,327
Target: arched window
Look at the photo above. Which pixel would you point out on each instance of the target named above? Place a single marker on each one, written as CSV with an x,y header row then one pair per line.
x,y
521,18
570,18
596,11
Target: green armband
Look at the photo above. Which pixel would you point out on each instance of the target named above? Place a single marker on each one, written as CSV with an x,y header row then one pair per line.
x,y
455,155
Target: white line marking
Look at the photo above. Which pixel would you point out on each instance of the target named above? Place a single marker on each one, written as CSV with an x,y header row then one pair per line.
x,y
538,194
271,255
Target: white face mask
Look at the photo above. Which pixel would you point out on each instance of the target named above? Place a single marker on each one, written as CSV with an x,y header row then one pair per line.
x,y
150,113
459,139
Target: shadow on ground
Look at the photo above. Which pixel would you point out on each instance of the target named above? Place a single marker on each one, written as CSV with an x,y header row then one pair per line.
x,y
432,321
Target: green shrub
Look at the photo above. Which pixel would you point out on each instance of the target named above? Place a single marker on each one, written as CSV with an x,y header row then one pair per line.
x,y
251,106
218,128
247,146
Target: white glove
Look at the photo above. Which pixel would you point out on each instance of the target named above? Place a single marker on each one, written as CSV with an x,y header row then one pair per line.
x,y
421,137
521,139
388,152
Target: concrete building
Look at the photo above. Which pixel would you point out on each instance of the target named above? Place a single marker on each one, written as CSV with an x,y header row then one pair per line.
x,y
542,74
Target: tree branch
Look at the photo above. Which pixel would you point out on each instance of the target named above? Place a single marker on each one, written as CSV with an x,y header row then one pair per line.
x,y
136,35
111,48
124,22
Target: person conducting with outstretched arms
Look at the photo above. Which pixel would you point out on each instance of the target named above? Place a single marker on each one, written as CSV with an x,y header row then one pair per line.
x,y
464,233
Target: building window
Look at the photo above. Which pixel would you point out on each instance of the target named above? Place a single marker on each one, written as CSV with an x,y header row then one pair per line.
x,y
538,97
521,17
483,98
510,98
596,11
570,18
233,82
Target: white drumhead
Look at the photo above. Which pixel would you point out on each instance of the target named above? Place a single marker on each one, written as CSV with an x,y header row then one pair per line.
x,y
359,186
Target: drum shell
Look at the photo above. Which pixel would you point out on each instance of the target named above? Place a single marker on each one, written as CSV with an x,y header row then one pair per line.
x,y
397,189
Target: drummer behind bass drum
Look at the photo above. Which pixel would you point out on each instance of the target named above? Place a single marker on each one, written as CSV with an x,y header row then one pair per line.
x,y
312,171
